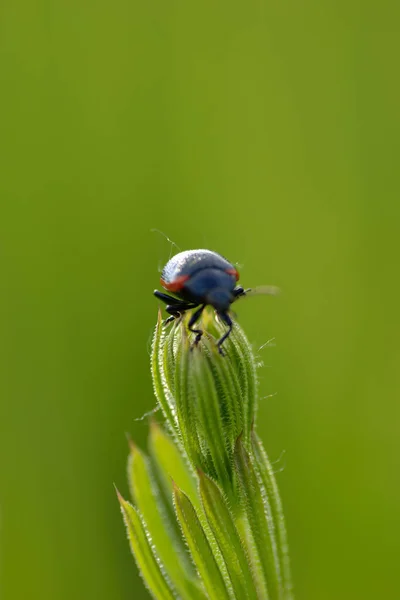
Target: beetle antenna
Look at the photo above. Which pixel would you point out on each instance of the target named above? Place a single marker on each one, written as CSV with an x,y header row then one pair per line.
x,y
154,230
262,290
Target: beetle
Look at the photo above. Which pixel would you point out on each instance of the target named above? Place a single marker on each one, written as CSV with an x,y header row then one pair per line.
x,y
199,278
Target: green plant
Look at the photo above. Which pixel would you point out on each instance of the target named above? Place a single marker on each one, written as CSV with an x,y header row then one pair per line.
x,y
207,520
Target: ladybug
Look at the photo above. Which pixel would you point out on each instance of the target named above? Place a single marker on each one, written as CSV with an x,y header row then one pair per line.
x,y
199,278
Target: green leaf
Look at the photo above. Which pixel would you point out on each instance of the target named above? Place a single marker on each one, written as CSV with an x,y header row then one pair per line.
x,y
148,564
167,357
245,365
240,359
174,470
185,406
229,542
169,547
258,513
229,393
210,424
269,482
171,463
199,547
161,389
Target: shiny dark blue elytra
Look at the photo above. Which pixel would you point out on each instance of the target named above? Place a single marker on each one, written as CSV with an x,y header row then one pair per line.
x,y
199,278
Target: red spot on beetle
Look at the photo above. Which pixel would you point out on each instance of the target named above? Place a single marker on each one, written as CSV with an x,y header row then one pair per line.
x,y
233,272
176,285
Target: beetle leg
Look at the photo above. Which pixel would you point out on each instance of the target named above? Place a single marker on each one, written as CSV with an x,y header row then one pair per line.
x,y
166,298
228,321
176,310
179,308
195,316
172,318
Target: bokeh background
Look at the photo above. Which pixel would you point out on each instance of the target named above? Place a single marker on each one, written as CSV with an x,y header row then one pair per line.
x,y
265,130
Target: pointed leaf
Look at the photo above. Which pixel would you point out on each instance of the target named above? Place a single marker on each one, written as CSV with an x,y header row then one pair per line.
x,y
210,420
169,547
243,369
246,367
258,512
229,393
168,356
185,407
230,544
199,547
171,464
148,565
173,469
161,389
268,479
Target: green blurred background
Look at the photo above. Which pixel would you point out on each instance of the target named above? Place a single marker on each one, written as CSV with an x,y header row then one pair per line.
x,y
268,131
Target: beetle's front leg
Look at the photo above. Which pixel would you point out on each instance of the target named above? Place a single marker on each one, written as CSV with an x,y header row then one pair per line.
x,y
166,298
177,310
